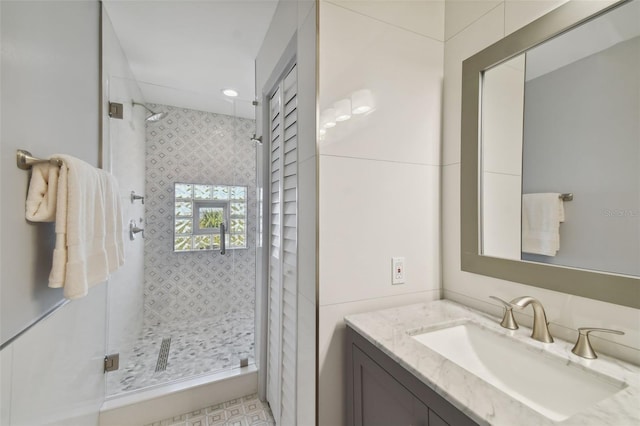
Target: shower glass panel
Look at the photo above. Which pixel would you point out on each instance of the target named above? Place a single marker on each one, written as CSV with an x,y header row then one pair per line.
x,y
178,314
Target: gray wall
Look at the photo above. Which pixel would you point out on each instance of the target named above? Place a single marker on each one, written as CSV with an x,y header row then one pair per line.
x,y
196,147
50,104
52,374
582,135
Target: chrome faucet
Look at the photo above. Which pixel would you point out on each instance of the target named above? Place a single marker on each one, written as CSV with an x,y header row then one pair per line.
x,y
540,324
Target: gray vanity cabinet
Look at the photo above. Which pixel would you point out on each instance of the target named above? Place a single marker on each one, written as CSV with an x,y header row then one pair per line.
x,y
382,393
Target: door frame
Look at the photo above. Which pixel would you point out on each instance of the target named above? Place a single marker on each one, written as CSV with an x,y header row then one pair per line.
x,y
286,61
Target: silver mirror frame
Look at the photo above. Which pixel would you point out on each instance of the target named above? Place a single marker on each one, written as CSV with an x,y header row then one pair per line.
x,y
612,288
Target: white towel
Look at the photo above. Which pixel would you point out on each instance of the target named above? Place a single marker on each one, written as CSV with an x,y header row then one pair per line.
x,y
43,193
89,243
541,217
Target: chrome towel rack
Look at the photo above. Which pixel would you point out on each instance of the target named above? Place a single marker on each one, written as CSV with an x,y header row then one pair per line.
x,y
25,160
566,196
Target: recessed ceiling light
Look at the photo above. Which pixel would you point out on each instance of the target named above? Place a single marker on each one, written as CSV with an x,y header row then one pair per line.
x,y
230,93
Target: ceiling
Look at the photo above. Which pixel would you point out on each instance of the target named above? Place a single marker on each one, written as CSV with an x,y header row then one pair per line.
x,y
183,53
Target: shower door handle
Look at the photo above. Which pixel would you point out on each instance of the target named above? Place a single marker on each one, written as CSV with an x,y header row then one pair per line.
x,y
223,244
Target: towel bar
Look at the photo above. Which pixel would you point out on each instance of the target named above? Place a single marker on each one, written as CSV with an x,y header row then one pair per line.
x,y
25,160
566,197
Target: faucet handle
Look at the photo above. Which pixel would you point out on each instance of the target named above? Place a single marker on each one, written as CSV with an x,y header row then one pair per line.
x,y
508,320
134,197
583,346
133,230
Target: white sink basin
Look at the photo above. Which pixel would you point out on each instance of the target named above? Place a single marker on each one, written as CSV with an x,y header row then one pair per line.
x,y
547,384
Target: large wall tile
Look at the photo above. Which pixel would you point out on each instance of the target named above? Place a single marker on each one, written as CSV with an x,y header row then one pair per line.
x,y
480,34
331,356
423,17
403,73
518,13
459,14
450,221
575,312
371,211
379,173
306,368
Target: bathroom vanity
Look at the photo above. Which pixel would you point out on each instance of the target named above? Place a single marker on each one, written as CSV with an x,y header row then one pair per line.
x,y
381,392
399,371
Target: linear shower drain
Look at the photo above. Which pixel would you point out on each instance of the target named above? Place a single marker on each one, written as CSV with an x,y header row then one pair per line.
x,y
163,356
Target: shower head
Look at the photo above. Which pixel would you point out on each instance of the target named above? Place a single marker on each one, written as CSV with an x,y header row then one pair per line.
x,y
155,116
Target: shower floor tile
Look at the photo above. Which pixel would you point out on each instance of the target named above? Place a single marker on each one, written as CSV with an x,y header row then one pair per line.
x,y
245,411
197,348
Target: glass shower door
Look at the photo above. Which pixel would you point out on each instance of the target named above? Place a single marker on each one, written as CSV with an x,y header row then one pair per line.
x,y
124,140
184,309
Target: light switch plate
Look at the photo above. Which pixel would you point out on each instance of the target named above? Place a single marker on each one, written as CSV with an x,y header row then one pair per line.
x,y
397,270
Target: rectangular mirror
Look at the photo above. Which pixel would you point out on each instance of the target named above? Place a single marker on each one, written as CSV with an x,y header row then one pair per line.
x,y
200,210
551,155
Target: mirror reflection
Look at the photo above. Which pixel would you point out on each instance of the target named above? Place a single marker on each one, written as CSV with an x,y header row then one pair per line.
x,y
560,164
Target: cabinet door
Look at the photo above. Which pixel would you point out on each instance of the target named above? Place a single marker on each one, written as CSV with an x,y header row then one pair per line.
x,y
436,420
424,416
421,414
381,392
378,398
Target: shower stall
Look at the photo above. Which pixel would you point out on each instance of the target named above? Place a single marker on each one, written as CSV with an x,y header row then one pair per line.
x,y
184,304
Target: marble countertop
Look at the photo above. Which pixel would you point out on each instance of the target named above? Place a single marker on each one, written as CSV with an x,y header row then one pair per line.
x,y
390,331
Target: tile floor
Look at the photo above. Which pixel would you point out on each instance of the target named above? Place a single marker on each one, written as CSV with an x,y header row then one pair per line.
x,y
197,348
245,411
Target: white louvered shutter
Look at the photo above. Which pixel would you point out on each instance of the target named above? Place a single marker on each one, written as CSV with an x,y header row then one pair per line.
x,y
283,287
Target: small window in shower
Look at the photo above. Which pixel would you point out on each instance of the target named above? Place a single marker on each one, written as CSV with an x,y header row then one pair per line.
x,y
200,210
209,216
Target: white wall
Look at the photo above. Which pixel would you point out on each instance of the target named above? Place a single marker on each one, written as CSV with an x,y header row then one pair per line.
x,y
124,148
470,27
379,175
297,20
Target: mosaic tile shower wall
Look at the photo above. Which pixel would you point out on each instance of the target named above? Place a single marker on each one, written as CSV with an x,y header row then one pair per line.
x,y
196,147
